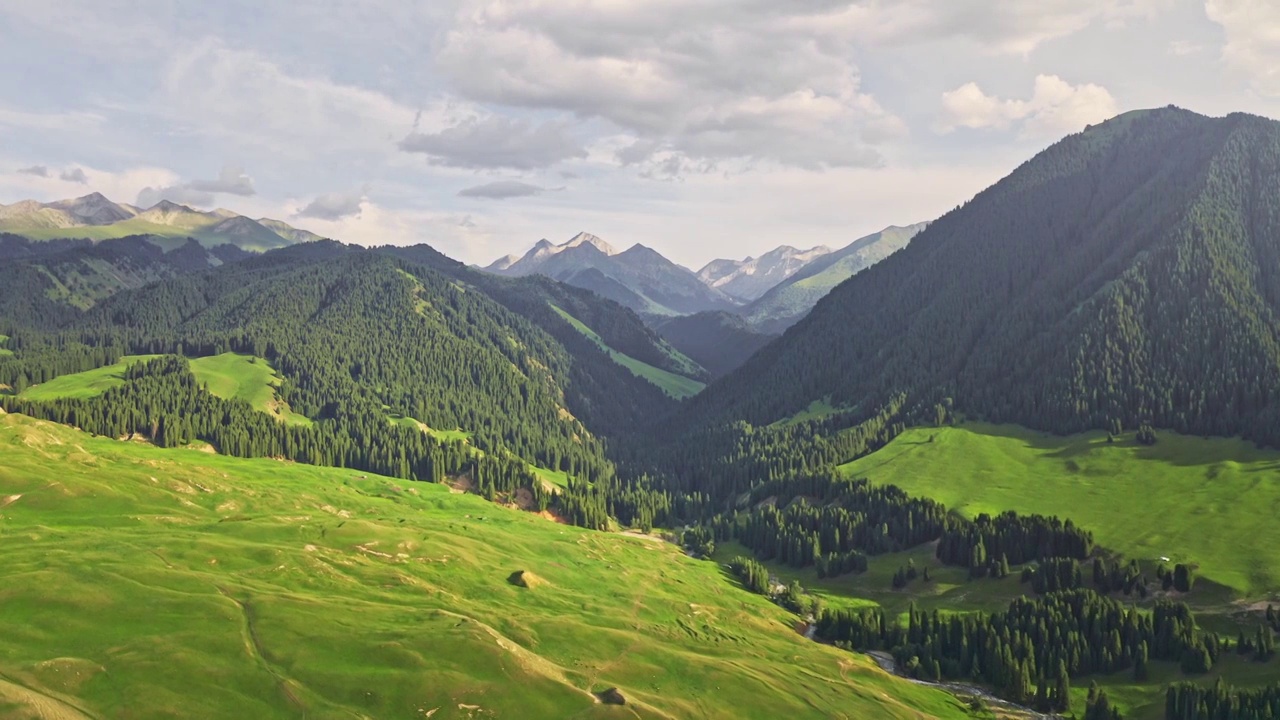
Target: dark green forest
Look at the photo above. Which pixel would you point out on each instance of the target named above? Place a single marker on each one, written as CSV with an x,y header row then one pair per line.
x,y
1128,274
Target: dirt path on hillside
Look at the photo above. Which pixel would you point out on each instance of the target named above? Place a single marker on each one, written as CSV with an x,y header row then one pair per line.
x,y
44,706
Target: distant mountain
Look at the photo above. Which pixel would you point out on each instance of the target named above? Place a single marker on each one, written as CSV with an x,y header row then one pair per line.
x,y
1128,274
639,278
748,279
45,277
782,304
94,217
718,341
289,232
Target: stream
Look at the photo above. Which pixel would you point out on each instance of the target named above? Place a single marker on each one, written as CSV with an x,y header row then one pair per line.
x,y
886,663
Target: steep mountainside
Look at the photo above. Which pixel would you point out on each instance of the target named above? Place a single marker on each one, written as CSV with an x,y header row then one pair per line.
x,y
718,341
1128,274
94,217
748,279
780,305
638,278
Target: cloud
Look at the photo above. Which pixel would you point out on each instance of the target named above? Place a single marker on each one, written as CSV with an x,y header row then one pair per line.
x,y
231,180
37,170
1055,107
1252,48
75,175
1182,48
243,98
497,142
180,194
1014,27
753,84
333,206
502,190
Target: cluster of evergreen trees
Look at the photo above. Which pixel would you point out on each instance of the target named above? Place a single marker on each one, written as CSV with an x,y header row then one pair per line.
x,y
1189,701
1030,651
833,523
1014,538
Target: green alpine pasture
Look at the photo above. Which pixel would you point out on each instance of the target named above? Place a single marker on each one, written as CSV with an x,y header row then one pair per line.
x,y
677,386
4,350
1208,502
229,376
90,383
816,410
138,580
233,376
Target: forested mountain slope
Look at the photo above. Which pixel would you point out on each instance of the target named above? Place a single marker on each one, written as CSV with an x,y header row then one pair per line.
x,y
1129,273
719,341
361,336
45,278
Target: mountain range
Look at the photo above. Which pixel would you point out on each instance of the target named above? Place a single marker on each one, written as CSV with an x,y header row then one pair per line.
x,y
748,279
95,217
639,278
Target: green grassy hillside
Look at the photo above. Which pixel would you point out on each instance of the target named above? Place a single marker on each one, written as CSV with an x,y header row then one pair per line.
x,y
4,350
146,583
1211,502
245,377
677,386
229,376
90,383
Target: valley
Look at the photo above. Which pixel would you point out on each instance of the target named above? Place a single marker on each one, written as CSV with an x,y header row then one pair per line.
x,y
1030,447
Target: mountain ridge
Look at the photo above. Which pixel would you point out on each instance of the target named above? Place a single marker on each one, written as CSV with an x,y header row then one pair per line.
x,y
95,217
638,277
748,279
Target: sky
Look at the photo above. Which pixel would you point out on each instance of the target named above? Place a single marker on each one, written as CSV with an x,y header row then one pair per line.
x,y
700,128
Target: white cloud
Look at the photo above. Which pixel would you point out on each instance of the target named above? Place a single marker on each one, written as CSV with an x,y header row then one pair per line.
x,y
997,26
497,142
201,193
1182,48
247,99
75,175
334,206
36,170
1055,107
710,80
1252,29
502,190
230,180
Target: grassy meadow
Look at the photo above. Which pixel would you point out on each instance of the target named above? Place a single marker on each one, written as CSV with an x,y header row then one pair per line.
x,y
4,339
233,376
228,376
157,583
1213,503
677,386
90,383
